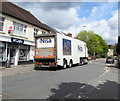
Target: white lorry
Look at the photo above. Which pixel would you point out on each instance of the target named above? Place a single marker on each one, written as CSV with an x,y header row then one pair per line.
x,y
59,50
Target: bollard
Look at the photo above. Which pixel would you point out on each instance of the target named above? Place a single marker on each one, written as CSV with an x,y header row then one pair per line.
x,y
7,64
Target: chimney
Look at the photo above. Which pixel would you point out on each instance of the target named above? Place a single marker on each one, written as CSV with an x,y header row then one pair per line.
x,y
69,34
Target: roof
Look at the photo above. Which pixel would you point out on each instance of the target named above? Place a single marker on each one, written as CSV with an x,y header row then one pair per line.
x,y
13,10
51,29
44,35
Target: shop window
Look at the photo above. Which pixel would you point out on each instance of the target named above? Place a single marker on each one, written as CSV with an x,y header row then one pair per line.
x,y
24,53
1,54
23,56
19,29
35,31
2,51
1,23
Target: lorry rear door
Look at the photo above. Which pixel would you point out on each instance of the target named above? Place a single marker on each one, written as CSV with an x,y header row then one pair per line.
x,y
45,50
45,47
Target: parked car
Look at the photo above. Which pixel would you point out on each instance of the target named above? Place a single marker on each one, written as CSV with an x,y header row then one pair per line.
x,y
110,60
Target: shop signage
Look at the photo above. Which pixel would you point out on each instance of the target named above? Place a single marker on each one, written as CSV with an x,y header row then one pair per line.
x,y
10,28
15,40
80,48
45,42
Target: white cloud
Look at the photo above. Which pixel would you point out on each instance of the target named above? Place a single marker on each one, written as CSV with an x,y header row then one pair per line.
x,y
108,29
67,20
60,19
113,21
93,11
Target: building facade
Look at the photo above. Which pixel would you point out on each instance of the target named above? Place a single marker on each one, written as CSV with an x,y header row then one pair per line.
x,y
110,52
17,30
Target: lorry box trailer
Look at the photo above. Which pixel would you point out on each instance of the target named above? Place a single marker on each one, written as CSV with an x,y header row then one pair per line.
x,y
55,50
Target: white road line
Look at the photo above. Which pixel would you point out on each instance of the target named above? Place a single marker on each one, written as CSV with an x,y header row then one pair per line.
x,y
100,81
79,97
68,95
83,87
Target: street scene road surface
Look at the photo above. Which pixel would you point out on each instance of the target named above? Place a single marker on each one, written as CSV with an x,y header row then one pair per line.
x,y
96,80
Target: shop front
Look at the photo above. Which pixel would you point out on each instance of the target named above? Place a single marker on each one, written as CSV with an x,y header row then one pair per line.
x,y
24,54
17,51
2,53
11,52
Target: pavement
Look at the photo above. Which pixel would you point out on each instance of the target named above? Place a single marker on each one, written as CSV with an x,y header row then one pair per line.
x,y
96,80
14,70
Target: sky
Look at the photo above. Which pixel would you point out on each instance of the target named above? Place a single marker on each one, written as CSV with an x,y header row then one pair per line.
x,y
73,17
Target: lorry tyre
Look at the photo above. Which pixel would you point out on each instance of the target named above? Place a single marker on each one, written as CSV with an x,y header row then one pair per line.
x,y
70,64
36,68
64,64
80,64
86,61
83,62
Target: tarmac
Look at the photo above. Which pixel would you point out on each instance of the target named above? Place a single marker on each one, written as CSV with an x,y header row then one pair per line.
x,y
20,69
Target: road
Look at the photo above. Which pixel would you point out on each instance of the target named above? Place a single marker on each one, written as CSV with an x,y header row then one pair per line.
x,y
92,81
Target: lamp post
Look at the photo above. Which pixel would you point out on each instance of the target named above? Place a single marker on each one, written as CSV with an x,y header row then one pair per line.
x,y
81,27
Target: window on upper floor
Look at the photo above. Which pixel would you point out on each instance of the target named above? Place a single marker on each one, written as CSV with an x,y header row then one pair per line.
x,y
35,31
43,32
19,29
1,23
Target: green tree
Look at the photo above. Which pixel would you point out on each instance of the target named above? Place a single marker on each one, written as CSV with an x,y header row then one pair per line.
x,y
96,45
103,46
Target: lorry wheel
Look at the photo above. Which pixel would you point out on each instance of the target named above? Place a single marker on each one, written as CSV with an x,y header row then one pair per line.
x,y
83,61
36,68
79,64
64,64
70,64
86,61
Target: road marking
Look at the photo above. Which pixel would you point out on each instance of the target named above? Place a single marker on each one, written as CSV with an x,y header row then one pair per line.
x,y
79,97
108,64
68,95
90,62
98,88
83,87
100,81
100,76
106,68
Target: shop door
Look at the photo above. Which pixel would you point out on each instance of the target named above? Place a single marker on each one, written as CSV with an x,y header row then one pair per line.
x,y
12,55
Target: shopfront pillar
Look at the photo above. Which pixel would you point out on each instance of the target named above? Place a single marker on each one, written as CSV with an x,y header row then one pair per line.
x,y
16,57
6,49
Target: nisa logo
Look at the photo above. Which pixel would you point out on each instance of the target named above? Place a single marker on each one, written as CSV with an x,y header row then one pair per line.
x,y
45,41
80,48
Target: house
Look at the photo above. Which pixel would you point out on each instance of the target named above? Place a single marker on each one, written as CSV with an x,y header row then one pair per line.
x,y
17,30
110,52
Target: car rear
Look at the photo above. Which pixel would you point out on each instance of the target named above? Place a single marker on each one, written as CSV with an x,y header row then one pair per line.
x,y
110,60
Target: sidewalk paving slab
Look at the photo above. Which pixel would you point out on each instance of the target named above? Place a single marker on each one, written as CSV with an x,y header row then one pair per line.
x,y
14,70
